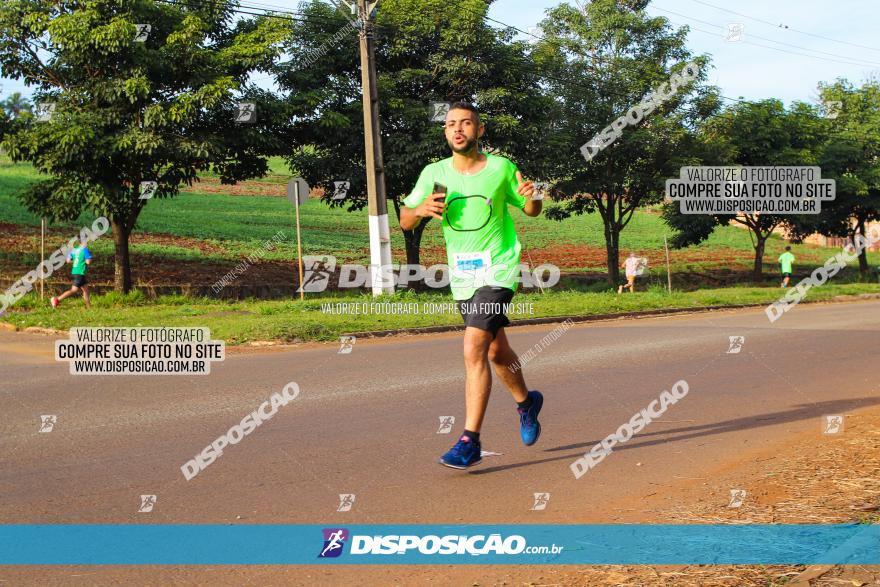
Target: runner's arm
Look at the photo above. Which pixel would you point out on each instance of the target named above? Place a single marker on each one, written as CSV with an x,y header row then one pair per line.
x,y
526,189
431,207
421,202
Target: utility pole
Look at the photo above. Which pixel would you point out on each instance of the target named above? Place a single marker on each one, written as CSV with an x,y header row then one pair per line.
x,y
380,235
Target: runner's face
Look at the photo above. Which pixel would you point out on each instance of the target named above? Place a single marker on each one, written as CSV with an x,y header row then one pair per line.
x,y
462,130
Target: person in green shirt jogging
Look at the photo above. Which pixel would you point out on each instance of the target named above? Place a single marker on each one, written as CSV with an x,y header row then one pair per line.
x,y
470,193
81,258
785,261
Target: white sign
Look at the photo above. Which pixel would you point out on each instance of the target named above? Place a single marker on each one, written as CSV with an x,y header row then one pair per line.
x,y
303,190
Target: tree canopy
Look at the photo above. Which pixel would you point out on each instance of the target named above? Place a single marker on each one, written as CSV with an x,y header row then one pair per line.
x,y
121,103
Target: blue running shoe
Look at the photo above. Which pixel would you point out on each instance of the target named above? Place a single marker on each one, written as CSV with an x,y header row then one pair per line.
x,y
529,427
465,453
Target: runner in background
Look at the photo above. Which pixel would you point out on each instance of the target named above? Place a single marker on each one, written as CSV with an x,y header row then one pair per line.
x,y
785,262
631,266
81,259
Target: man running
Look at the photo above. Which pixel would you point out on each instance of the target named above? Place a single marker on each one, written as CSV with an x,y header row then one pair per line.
x,y
81,259
785,261
469,192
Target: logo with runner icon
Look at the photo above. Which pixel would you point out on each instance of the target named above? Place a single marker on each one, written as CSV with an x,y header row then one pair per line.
x,y
346,501
47,422
334,542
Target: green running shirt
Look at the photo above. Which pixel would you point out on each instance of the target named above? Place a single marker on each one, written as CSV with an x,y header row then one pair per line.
x,y
785,261
481,244
79,256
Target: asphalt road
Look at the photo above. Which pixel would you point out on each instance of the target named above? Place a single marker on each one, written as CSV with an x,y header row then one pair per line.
x,y
366,423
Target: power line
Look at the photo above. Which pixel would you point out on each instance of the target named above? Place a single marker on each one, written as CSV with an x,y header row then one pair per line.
x,y
774,25
851,134
541,38
508,62
853,59
523,69
693,28
292,16
199,4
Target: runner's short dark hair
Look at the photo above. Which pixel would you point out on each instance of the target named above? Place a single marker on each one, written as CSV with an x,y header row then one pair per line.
x,y
466,106
787,248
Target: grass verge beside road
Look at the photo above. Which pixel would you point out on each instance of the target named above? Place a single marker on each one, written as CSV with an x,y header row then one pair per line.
x,y
247,321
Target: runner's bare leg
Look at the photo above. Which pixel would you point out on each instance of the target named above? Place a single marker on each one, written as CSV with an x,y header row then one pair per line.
x,y
478,377
507,367
68,293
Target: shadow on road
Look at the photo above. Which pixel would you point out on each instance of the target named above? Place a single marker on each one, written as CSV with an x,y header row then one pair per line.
x,y
801,412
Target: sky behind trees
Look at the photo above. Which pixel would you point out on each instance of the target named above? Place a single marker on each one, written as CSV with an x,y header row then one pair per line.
x,y
824,40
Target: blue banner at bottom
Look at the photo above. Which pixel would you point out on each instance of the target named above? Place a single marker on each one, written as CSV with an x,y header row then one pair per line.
x,y
563,544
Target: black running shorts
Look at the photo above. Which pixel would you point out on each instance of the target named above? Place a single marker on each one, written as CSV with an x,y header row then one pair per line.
x,y
485,309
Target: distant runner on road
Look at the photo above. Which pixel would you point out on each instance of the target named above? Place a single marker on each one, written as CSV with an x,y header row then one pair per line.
x,y
785,261
469,193
81,259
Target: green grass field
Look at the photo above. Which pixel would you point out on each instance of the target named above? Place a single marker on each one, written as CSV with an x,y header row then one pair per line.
x,y
236,225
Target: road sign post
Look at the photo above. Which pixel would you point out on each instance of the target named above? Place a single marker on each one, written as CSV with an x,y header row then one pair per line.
x,y
298,193
42,252
668,272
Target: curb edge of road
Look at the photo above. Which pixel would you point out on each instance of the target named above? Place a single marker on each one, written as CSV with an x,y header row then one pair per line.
x,y
555,320
527,322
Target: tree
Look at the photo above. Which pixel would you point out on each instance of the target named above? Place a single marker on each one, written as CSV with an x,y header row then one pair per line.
x,y
15,104
752,134
132,105
426,50
5,124
599,64
850,157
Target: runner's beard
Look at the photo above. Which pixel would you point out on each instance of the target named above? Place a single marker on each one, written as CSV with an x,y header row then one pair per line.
x,y
468,146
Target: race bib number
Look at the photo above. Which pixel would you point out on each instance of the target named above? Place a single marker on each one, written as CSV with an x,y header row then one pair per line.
x,y
472,262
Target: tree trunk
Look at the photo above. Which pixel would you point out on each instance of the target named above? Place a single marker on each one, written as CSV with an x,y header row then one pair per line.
x,y
757,272
413,242
122,265
863,254
612,248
